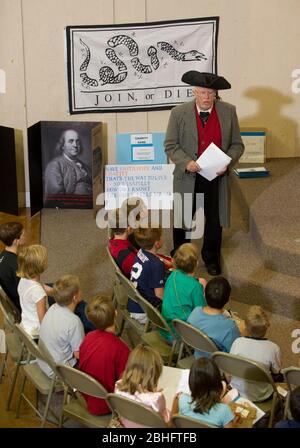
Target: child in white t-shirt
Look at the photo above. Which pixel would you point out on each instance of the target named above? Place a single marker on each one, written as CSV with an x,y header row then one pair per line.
x,y
32,262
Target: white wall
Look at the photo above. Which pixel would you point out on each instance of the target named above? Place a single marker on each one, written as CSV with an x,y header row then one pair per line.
x,y
258,50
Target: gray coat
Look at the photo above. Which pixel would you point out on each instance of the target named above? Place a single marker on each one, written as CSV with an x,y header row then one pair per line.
x,y
181,146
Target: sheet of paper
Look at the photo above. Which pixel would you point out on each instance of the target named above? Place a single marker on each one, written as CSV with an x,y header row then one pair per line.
x,y
183,384
168,381
212,160
259,411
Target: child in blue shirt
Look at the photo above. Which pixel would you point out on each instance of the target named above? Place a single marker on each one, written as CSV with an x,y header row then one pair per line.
x,y
204,403
211,319
148,272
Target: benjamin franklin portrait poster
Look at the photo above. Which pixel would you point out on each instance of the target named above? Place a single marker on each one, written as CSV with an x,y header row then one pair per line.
x,y
67,164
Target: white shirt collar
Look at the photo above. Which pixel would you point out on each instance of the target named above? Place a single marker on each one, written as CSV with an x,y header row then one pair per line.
x,y
200,110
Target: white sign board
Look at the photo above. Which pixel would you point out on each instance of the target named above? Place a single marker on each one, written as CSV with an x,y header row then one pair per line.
x,y
152,183
255,147
140,153
141,139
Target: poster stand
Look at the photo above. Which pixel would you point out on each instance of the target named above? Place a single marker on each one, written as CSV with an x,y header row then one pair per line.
x,y
8,179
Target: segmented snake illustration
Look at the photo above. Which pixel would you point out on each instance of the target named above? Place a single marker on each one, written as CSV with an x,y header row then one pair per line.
x,y
107,74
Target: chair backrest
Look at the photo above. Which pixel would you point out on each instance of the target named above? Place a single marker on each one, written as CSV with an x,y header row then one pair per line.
x,y
292,376
47,357
243,368
180,421
9,309
81,381
29,343
153,314
128,289
193,337
113,261
126,284
135,412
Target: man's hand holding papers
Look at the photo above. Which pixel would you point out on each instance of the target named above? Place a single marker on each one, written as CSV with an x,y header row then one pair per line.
x,y
213,162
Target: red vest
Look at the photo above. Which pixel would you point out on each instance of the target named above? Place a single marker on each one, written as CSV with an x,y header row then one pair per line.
x,y
211,132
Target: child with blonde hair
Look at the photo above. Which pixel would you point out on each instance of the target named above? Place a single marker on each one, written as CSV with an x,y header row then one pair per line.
x,y
183,292
32,262
139,382
61,330
257,348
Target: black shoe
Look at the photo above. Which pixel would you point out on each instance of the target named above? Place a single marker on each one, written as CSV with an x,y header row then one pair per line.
x,y
213,268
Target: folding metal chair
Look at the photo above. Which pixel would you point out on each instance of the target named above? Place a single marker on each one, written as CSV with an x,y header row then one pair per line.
x,y
250,371
292,378
135,412
9,307
116,269
13,344
181,421
43,384
126,290
193,338
153,337
78,382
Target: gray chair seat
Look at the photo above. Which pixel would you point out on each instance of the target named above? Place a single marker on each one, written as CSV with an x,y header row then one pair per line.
x,y
39,379
78,408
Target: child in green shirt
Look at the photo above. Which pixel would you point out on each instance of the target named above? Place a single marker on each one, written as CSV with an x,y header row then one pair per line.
x,y
183,292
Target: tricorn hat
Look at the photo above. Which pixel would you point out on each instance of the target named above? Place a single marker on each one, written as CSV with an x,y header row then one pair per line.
x,y
208,80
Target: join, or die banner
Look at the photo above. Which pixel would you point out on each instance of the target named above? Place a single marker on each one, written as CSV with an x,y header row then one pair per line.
x,y
115,68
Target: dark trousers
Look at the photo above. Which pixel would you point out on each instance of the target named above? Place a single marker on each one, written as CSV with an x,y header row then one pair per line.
x,y
212,238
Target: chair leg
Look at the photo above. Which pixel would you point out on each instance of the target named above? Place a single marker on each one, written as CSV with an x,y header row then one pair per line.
x,y
3,364
286,406
61,420
47,404
12,386
20,397
170,360
180,353
274,402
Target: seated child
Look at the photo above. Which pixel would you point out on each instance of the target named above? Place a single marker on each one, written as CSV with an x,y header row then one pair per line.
x,y
102,354
12,235
148,272
295,411
206,388
211,320
32,262
257,348
119,246
138,216
61,330
183,292
139,382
